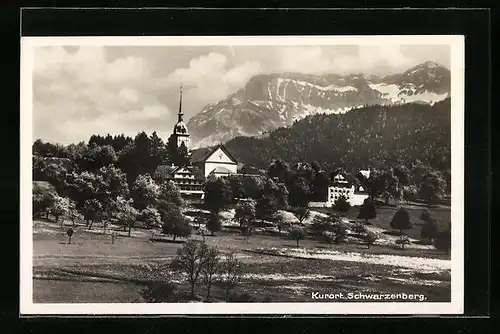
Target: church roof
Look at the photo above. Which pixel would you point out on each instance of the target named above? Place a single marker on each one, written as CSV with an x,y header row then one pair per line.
x,y
202,154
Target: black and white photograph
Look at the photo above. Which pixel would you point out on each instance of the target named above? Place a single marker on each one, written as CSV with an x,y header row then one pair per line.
x,y
242,175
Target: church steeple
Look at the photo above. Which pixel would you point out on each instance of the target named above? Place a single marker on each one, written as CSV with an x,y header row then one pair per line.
x,y
180,129
180,119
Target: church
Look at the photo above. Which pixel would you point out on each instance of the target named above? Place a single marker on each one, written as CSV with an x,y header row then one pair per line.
x,y
203,163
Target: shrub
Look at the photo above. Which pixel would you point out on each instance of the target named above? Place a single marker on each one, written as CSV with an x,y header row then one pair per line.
x,y
243,297
359,228
429,229
367,210
401,220
160,293
442,241
403,240
425,215
341,205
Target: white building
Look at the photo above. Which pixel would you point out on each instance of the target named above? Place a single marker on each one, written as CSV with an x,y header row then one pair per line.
x,y
217,161
340,186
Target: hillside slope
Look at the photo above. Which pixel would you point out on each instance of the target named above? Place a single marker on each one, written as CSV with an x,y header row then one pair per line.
x,y
375,136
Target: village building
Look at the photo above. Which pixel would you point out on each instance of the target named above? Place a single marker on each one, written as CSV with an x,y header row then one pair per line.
x,y
216,161
203,163
340,186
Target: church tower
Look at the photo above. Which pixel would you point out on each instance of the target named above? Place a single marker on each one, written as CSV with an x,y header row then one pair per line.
x,y
180,130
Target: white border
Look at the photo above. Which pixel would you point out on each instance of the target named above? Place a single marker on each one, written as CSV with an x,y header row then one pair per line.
x,y
27,307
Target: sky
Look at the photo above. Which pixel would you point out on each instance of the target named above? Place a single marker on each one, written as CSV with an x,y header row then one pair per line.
x,y
80,91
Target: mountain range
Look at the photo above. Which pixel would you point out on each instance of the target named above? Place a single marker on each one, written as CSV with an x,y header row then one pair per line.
x,y
271,101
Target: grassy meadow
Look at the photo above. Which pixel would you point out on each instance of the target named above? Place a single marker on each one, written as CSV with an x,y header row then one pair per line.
x,y
94,269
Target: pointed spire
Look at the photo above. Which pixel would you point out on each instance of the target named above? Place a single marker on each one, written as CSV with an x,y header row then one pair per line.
x,y
180,107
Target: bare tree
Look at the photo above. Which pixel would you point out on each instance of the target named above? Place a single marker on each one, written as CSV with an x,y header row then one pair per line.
x,y
191,259
211,269
230,273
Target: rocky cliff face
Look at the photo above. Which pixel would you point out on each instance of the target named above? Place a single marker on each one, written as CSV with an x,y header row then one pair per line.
x,y
276,100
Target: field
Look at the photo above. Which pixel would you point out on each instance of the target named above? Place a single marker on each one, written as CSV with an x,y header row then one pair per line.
x,y
93,269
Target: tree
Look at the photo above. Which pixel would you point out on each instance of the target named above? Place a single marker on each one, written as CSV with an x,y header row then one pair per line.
x,y
341,205
319,186
280,220
236,186
442,241
214,223
252,187
191,260
211,269
401,221
302,213
60,207
73,214
432,187
92,212
340,230
279,169
266,207
297,233
157,151
200,220
370,237
320,225
329,237
367,210
410,193
126,214
230,274
177,155
429,230
150,217
174,223
43,197
97,157
425,216
217,194
169,192
299,191
144,192
245,213
403,174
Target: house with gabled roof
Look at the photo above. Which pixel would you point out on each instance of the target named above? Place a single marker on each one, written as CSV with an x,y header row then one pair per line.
x,y
338,186
216,161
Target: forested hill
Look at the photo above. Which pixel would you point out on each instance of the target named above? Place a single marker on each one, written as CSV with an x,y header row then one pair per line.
x,y
370,137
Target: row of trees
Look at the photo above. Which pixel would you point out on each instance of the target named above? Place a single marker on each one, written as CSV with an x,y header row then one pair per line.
x,y
204,264
133,156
